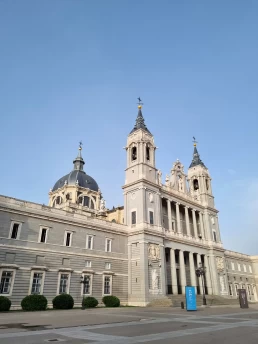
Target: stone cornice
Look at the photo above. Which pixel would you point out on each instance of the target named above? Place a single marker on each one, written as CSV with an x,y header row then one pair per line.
x,y
59,216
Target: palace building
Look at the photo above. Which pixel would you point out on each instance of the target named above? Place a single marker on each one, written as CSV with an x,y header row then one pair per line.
x,y
147,250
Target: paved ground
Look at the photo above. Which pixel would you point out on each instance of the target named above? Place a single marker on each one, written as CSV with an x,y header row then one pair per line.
x,y
132,325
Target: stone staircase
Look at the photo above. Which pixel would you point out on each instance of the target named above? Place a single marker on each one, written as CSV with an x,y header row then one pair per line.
x,y
212,300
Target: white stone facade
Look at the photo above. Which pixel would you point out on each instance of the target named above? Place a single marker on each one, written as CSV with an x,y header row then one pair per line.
x,y
168,231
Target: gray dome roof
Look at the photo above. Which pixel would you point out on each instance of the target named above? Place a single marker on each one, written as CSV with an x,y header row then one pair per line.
x,y
77,174
84,181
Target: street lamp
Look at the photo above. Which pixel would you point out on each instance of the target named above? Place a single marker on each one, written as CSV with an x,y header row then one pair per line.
x,y
200,272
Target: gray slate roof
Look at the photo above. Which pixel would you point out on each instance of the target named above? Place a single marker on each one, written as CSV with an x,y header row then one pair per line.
x,y
196,159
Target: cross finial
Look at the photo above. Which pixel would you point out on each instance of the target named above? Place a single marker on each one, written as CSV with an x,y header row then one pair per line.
x,y
139,101
80,145
194,141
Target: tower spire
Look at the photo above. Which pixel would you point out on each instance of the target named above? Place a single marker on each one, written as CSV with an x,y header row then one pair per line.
x,y
140,123
196,156
78,161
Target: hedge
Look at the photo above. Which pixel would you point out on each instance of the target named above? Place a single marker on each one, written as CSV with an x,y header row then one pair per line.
x,y
89,302
63,301
5,304
34,303
111,301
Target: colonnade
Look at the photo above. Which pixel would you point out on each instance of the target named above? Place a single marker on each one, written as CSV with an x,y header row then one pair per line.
x,y
197,232
179,279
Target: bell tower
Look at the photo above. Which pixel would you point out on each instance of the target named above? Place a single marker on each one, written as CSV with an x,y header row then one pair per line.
x,y
140,150
200,180
142,179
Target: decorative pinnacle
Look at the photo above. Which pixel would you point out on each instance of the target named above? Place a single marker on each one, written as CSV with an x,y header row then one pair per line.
x,y
80,145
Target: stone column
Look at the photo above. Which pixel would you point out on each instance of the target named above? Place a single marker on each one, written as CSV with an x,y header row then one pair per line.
x,y
163,271
214,274
144,273
201,223
173,272
129,268
169,215
200,278
207,225
208,275
192,271
182,271
217,227
194,224
178,218
187,221
159,214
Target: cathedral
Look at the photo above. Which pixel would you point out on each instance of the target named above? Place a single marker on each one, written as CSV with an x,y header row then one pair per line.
x,y
149,249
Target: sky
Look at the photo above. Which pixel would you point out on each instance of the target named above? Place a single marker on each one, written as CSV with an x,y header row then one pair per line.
x,y
72,70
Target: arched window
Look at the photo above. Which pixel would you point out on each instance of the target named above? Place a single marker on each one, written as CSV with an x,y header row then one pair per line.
x,y
134,153
86,201
148,153
58,200
113,220
68,196
207,183
195,184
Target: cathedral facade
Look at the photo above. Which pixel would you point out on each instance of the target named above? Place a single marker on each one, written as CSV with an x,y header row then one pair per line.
x,y
148,249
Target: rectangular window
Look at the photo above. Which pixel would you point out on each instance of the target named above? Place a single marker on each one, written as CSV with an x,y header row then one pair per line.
x,y
151,217
173,225
6,282
87,263
133,217
36,283
230,289
63,285
107,285
86,285
15,230
43,235
107,266
108,245
232,266
68,239
214,236
89,243
250,269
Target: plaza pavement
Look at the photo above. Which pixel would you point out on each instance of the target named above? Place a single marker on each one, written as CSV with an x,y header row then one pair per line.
x,y
129,325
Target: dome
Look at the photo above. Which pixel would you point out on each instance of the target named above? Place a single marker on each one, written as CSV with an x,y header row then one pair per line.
x,y
84,181
77,176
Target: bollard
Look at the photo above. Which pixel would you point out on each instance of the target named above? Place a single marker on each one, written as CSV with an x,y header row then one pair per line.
x,y
182,305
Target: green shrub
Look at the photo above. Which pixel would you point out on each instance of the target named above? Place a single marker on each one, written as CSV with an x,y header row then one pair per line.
x,y
63,301
5,304
89,302
34,303
111,301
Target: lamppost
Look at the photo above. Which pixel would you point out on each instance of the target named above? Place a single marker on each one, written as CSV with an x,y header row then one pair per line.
x,y
200,272
84,280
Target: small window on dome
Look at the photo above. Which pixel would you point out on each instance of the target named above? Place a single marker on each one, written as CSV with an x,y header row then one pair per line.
x,y
58,200
86,201
92,204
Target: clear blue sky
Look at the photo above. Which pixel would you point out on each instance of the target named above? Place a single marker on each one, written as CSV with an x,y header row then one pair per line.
x,y
71,70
